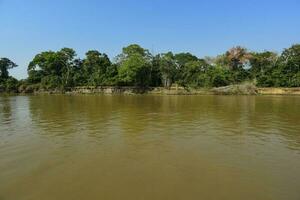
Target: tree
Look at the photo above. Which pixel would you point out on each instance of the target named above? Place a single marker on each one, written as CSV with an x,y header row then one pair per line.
x,y
168,68
11,84
66,56
77,73
237,60
7,83
54,68
181,60
184,58
5,65
289,66
219,76
156,77
131,50
134,66
194,74
134,71
95,67
111,75
262,62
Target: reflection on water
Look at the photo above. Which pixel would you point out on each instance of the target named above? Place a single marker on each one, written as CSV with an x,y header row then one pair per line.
x,y
149,147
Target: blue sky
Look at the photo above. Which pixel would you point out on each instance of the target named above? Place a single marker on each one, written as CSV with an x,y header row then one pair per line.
x,y
200,27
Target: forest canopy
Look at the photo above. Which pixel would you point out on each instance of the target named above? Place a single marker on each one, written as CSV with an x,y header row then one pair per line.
x,y
136,66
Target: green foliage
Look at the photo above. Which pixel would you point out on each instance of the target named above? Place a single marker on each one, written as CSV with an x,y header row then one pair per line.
x,y
220,76
135,66
184,58
168,68
261,63
288,66
155,72
53,69
234,59
194,74
135,49
5,65
7,83
134,71
284,71
95,68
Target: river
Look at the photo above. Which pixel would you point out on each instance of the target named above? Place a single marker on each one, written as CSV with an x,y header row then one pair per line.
x,y
146,147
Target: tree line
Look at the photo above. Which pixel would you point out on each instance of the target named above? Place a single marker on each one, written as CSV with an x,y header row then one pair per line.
x,y
136,66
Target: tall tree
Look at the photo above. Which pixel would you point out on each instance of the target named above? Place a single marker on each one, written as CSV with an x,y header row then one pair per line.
x,y
262,65
53,67
262,62
95,67
168,68
236,59
134,66
134,71
156,77
5,65
7,83
184,58
181,60
287,70
193,74
67,56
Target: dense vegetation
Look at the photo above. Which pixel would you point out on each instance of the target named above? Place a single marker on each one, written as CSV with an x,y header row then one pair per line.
x,y
7,83
136,66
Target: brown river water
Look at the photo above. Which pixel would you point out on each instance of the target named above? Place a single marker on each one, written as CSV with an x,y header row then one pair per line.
x,y
145,147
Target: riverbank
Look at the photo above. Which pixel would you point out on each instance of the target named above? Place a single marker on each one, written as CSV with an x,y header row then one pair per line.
x,y
242,89
279,91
